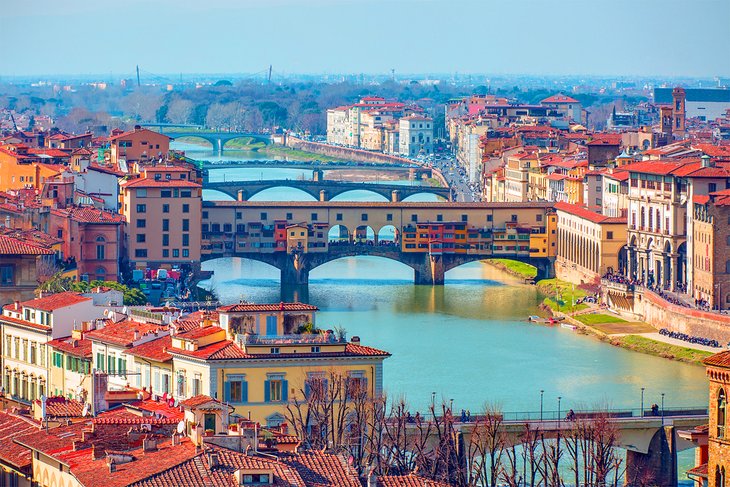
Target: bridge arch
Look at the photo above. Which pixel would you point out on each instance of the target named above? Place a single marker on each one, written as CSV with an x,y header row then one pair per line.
x,y
251,137
424,196
257,194
340,195
211,140
364,234
388,233
339,234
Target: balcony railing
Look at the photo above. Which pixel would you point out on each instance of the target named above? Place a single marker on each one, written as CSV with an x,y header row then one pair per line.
x,y
294,339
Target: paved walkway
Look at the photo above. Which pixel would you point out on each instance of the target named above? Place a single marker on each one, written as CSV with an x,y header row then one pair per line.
x,y
680,343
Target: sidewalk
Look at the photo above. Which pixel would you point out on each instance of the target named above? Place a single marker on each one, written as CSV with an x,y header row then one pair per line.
x,y
680,343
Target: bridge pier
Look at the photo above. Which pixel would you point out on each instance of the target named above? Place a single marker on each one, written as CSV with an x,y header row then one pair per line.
x,y
545,268
295,269
658,466
430,271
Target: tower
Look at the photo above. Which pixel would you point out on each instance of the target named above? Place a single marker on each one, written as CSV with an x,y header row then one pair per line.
x,y
679,98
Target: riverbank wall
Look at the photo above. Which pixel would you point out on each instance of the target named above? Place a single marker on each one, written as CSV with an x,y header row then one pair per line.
x,y
358,155
647,306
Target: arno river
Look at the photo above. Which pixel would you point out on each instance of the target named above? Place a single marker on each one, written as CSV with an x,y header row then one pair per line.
x,y
468,340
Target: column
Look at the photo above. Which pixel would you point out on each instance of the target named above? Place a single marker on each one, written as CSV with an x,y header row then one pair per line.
x,y
674,265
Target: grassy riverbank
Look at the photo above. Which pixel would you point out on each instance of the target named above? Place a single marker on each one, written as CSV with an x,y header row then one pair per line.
x,y
561,295
252,145
659,349
513,267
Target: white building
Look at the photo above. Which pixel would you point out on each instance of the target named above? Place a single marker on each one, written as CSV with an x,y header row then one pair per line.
x,y
415,135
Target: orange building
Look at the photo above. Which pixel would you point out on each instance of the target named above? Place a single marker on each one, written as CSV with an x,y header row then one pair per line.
x,y
138,145
21,169
163,212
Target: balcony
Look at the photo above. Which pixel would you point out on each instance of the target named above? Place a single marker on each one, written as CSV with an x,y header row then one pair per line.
x,y
295,339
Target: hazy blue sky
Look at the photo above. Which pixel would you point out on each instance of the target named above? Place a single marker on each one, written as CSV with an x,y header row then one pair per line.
x,y
603,37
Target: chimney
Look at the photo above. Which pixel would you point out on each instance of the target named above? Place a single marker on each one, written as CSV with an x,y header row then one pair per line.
x,y
355,339
213,460
17,305
706,161
112,467
149,444
284,429
174,439
136,335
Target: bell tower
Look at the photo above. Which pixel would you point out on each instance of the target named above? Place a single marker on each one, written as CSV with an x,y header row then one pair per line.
x,y
679,98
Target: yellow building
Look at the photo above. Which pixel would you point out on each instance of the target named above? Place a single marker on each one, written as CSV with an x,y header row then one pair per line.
x,y
257,373
70,367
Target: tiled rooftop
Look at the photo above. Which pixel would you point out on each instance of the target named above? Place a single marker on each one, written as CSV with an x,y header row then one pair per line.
x,y
55,301
123,332
13,426
251,307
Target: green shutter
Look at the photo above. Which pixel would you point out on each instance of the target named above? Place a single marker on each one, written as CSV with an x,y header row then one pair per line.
x,y
227,391
285,390
244,391
267,391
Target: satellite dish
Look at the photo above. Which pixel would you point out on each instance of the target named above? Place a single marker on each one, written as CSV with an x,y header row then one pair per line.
x,y
85,412
181,427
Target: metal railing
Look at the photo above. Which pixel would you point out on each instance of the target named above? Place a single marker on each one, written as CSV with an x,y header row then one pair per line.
x,y
293,339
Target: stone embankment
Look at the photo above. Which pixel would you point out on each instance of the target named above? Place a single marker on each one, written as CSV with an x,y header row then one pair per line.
x,y
360,155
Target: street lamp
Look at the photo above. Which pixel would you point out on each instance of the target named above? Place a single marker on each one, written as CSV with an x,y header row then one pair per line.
x,y
642,401
433,398
662,409
559,398
542,393
451,406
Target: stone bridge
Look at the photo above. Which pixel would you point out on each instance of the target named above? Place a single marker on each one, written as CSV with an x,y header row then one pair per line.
x,y
427,269
217,139
651,440
323,190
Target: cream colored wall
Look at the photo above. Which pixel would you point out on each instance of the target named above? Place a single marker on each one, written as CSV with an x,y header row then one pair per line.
x,y
46,473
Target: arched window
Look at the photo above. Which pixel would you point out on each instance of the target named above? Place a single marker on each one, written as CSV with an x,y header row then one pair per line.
x,y
100,248
651,219
658,221
719,476
642,222
721,413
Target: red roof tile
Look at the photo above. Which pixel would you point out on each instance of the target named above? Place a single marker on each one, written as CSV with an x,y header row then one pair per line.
x,y
88,214
252,307
229,350
559,98
721,359
71,346
12,426
14,246
410,480
61,407
123,332
153,350
586,214
56,301
160,183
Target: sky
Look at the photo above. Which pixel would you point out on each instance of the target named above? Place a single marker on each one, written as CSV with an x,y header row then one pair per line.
x,y
542,37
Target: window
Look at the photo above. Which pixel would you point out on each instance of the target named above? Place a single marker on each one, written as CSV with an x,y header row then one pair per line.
x,y
176,252
100,252
185,194
364,217
205,214
339,217
140,253
315,349
165,239
235,389
186,239
141,223
264,215
275,388
721,413
165,225
186,253
314,217
197,380
166,253
389,217
439,218
489,218
142,193
165,208
227,227
609,235
141,208
141,238
7,275
186,208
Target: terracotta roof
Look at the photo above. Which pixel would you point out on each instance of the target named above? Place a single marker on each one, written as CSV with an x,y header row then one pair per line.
x,y
153,350
159,183
229,350
721,198
721,359
196,401
559,98
61,407
699,471
587,214
88,214
55,301
12,426
14,246
122,333
410,480
252,307
320,469
77,348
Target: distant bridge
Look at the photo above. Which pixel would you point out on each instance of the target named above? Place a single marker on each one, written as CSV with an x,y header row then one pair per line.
x,y
651,439
323,190
429,237
314,165
217,139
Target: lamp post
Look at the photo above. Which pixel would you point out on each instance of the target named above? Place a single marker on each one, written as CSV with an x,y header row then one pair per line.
x,y
542,393
662,409
451,406
642,401
559,399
